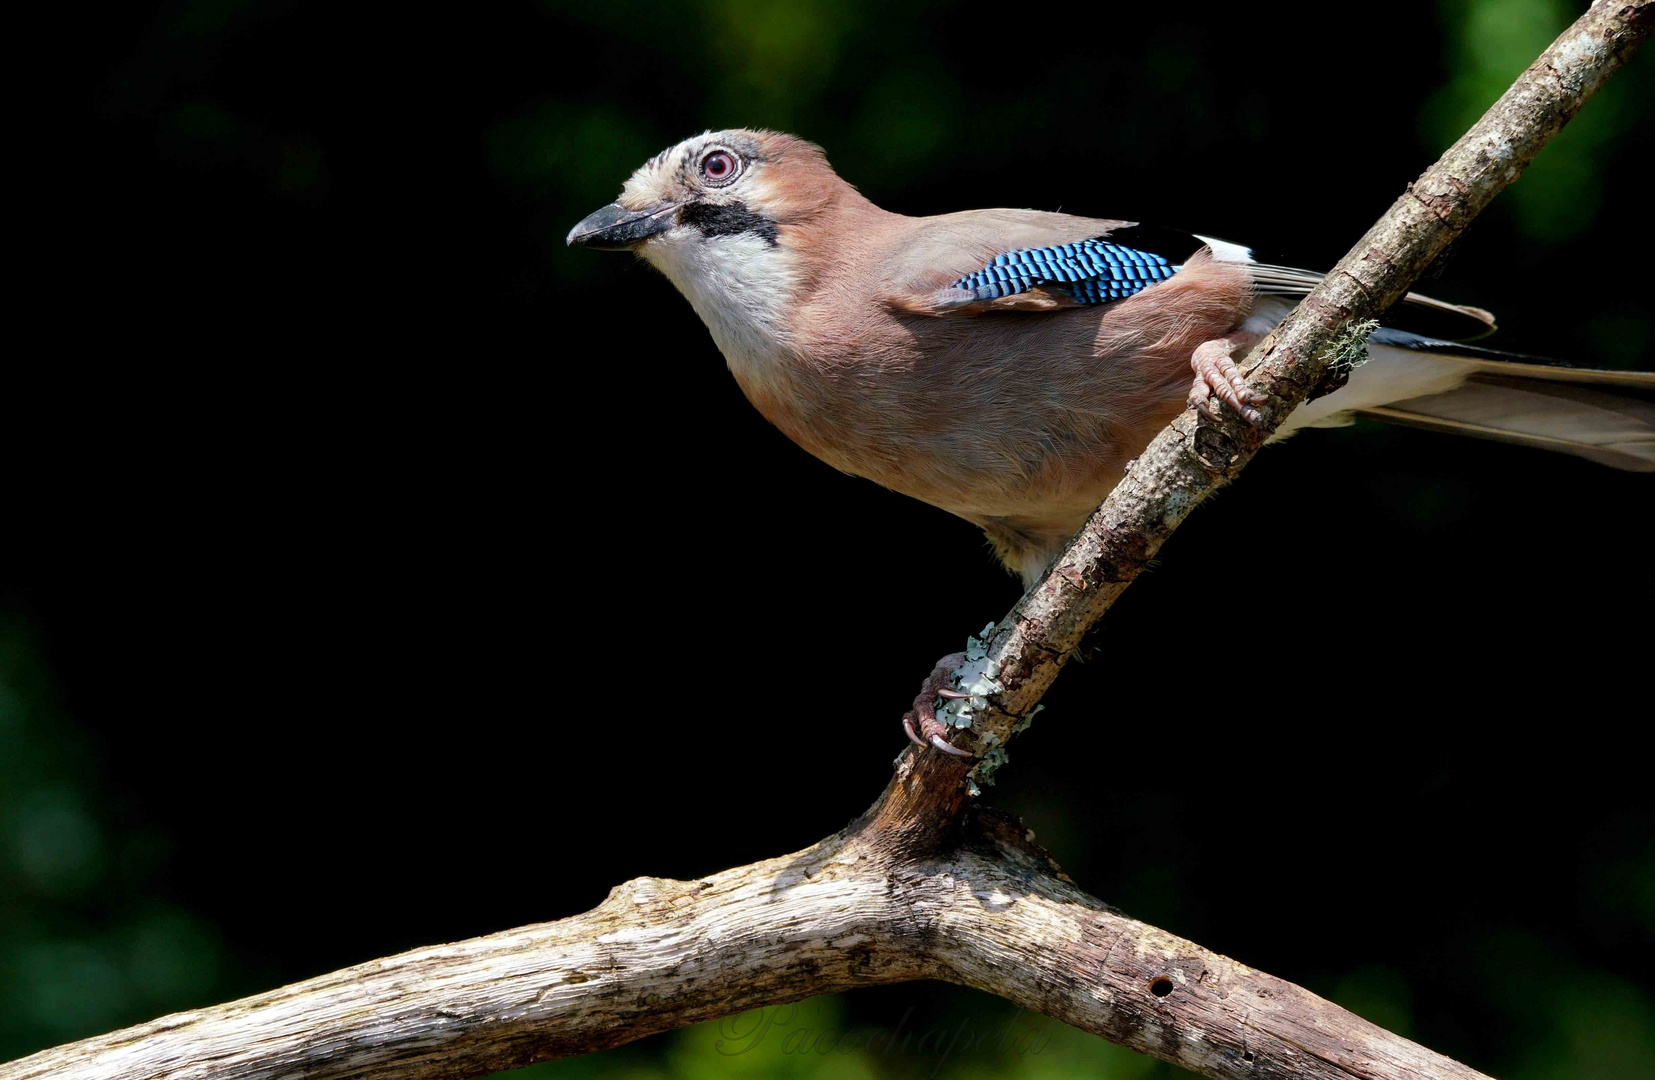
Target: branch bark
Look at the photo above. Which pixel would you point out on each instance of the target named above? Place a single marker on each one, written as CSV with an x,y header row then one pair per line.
x,y
922,885
851,911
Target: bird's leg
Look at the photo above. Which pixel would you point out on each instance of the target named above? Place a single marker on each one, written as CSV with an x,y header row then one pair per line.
x,y
1218,379
931,731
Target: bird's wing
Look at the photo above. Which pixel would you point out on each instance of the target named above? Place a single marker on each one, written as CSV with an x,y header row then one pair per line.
x,y
1080,261
1475,361
1414,312
1045,262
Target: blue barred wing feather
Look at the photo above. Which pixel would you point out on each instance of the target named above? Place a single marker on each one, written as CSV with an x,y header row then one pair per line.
x,y
1086,272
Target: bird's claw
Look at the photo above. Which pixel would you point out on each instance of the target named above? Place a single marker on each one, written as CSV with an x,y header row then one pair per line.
x,y
1218,379
938,742
921,723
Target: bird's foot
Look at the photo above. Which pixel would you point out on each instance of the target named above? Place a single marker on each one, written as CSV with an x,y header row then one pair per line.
x,y
921,722
1218,379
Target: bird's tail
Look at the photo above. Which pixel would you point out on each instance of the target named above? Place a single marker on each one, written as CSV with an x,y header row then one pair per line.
x,y
1603,416
1593,422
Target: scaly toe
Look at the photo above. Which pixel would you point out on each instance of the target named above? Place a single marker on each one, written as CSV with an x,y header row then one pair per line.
x,y
1218,379
920,723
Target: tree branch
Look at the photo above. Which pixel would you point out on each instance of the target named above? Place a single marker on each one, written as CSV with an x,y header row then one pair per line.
x,y
848,912
920,886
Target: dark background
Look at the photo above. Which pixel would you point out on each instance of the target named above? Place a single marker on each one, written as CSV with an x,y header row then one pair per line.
x,y
375,571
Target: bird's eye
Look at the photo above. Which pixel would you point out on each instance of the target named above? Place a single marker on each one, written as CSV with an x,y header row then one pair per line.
x,y
719,167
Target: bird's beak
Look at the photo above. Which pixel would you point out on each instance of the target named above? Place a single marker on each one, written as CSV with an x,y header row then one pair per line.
x,y
615,228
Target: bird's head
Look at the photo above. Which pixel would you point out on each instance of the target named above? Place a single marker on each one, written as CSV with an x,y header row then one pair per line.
x,y
739,221
718,189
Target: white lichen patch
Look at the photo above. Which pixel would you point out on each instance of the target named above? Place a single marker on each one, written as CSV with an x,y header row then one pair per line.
x,y
975,677
1349,350
979,677
1575,57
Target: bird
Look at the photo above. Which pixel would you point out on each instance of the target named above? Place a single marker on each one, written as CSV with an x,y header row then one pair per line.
x,y
1006,365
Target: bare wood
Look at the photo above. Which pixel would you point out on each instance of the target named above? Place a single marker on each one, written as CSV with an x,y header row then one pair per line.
x,y
918,887
845,913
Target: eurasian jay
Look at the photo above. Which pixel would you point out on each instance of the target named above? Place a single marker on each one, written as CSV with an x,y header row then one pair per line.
x,y
1005,365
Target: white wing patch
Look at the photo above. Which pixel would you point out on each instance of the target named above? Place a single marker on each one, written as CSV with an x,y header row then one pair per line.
x,y
1224,251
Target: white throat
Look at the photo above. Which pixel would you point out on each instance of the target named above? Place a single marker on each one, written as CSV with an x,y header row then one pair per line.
x,y
741,286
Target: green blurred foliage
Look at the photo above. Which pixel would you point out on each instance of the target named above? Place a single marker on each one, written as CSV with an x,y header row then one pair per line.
x,y
1493,41
85,943
817,1039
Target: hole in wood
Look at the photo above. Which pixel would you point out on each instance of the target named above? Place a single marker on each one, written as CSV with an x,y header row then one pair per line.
x,y
1248,1056
1161,987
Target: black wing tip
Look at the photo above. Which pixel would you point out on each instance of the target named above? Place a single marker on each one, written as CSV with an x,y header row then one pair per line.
x,y
1174,245
1407,339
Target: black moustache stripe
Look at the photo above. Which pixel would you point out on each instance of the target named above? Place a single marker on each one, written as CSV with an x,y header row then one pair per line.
x,y
728,219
